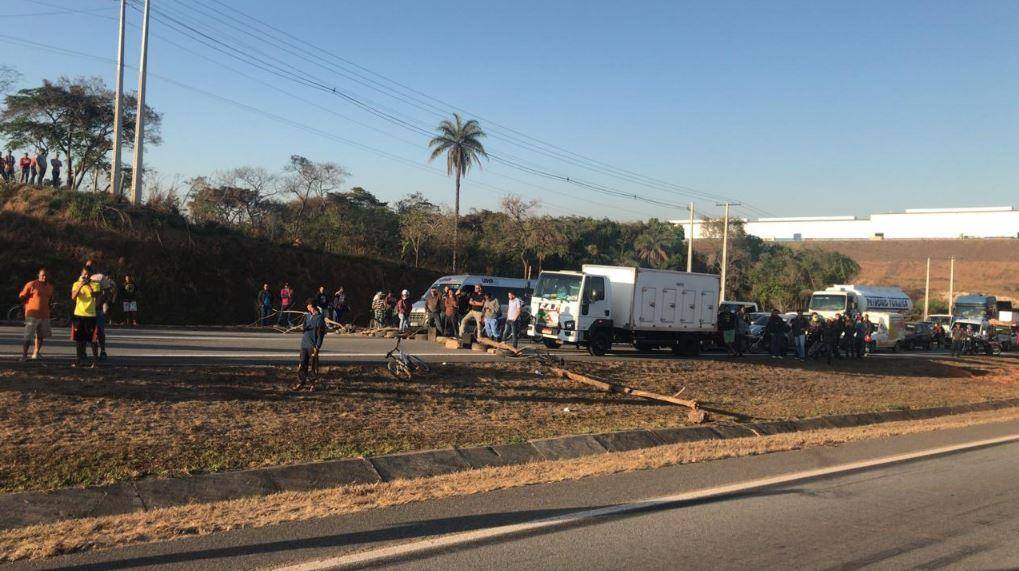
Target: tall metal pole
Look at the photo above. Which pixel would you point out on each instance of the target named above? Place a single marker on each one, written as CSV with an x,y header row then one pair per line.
x,y
689,243
139,131
951,288
725,248
118,102
927,290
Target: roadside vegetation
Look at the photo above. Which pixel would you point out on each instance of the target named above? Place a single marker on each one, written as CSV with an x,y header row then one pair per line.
x,y
71,536
63,428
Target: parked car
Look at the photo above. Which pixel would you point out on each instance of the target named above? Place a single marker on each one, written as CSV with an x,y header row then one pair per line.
x,y
919,336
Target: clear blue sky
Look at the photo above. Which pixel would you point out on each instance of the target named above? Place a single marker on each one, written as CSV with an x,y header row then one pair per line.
x,y
799,108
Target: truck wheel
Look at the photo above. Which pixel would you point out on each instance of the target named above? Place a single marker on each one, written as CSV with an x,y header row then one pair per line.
x,y
599,343
897,347
687,346
551,343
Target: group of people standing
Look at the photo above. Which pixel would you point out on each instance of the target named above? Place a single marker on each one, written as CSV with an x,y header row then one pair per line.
x,y
452,312
333,306
32,168
92,296
813,337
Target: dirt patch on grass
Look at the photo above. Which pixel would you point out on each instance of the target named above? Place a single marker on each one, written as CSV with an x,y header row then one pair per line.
x,y
62,427
203,519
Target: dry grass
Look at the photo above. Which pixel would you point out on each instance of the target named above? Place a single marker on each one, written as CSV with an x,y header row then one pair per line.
x,y
60,427
201,519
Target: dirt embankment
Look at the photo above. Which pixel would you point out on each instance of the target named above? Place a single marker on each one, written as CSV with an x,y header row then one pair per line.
x,y
203,276
981,265
62,427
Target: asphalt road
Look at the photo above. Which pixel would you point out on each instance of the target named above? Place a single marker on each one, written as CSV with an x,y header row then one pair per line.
x,y
946,499
172,347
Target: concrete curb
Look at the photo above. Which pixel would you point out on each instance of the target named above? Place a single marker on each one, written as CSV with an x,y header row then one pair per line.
x,y
28,508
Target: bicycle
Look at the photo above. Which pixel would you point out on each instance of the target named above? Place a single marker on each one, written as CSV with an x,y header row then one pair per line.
x,y
403,365
60,315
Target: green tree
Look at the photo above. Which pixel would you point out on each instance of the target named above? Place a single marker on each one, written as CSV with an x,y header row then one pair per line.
x,y
418,223
74,117
461,143
307,180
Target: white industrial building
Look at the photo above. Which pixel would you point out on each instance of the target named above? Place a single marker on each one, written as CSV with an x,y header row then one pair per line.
x,y
979,222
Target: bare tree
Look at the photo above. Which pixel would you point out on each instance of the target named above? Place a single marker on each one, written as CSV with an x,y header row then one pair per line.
x,y
517,235
258,186
306,180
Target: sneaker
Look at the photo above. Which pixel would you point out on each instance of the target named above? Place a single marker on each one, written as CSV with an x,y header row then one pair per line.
x,y
22,359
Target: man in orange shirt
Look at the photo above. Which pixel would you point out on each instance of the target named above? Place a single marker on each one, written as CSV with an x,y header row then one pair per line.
x,y
36,296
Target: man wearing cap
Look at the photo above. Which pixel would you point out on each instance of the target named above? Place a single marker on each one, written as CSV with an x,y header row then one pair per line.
x,y
314,328
403,307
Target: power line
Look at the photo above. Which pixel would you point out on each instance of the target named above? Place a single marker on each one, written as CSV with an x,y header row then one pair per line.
x,y
546,149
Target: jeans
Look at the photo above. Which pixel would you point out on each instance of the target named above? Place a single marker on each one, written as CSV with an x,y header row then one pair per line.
x,y
511,331
24,176
281,317
56,178
492,328
264,315
801,346
404,322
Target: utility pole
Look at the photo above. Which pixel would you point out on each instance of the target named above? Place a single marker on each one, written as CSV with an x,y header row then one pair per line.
x,y
927,290
139,130
118,111
725,247
689,243
951,288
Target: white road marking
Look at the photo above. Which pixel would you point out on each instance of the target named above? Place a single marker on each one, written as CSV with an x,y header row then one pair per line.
x,y
281,353
455,539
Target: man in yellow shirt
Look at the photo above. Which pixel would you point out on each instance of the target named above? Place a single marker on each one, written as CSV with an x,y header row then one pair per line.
x,y
85,294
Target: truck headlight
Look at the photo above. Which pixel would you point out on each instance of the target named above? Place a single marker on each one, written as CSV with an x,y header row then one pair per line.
x,y
569,325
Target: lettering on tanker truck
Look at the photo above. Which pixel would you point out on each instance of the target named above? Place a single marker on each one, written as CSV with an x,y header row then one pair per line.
x,y
887,302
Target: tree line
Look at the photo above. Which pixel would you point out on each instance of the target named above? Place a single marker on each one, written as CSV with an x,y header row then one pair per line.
x,y
305,203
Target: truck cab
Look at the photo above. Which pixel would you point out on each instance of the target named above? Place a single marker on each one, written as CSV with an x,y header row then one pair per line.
x,y
887,308
567,305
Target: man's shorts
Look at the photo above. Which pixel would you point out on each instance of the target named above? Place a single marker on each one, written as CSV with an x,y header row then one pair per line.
x,y
37,326
130,306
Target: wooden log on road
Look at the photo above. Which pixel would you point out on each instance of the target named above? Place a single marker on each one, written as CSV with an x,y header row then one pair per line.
x,y
498,345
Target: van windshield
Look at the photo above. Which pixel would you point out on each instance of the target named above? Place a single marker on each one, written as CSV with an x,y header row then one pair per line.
x,y
441,285
827,302
562,287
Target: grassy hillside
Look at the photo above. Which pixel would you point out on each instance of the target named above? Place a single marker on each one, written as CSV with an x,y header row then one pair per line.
x,y
981,265
184,274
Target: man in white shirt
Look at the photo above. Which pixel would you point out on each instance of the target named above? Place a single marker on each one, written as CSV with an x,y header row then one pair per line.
x,y
512,327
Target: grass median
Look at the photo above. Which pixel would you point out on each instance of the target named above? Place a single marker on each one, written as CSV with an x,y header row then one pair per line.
x,y
73,536
61,427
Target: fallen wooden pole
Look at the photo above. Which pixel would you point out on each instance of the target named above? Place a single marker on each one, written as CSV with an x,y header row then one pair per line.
x,y
696,415
498,345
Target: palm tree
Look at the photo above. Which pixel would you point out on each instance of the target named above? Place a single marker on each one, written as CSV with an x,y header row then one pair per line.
x,y
459,140
652,246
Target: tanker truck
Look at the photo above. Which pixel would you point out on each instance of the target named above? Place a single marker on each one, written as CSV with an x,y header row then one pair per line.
x,y
886,307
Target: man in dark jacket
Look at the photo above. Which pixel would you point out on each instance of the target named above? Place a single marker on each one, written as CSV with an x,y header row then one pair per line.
x,y
263,300
433,308
776,329
798,326
314,333
830,336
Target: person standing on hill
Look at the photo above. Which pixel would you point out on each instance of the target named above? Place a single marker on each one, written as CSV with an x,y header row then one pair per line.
x,y
26,169
85,295
8,166
403,307
263,301
56,164
40,160
36,297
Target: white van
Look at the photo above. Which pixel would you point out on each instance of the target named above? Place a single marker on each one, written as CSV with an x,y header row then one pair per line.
x,y
499,287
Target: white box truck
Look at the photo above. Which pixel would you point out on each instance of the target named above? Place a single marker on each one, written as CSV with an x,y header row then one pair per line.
x,y
602,305
887,307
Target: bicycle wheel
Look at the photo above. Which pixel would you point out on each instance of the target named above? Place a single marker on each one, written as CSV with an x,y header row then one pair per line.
x,y
398,370
418,364
16,313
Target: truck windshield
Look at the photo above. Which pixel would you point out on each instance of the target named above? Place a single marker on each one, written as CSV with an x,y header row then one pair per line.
x,y
977,312
558,286
827,302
